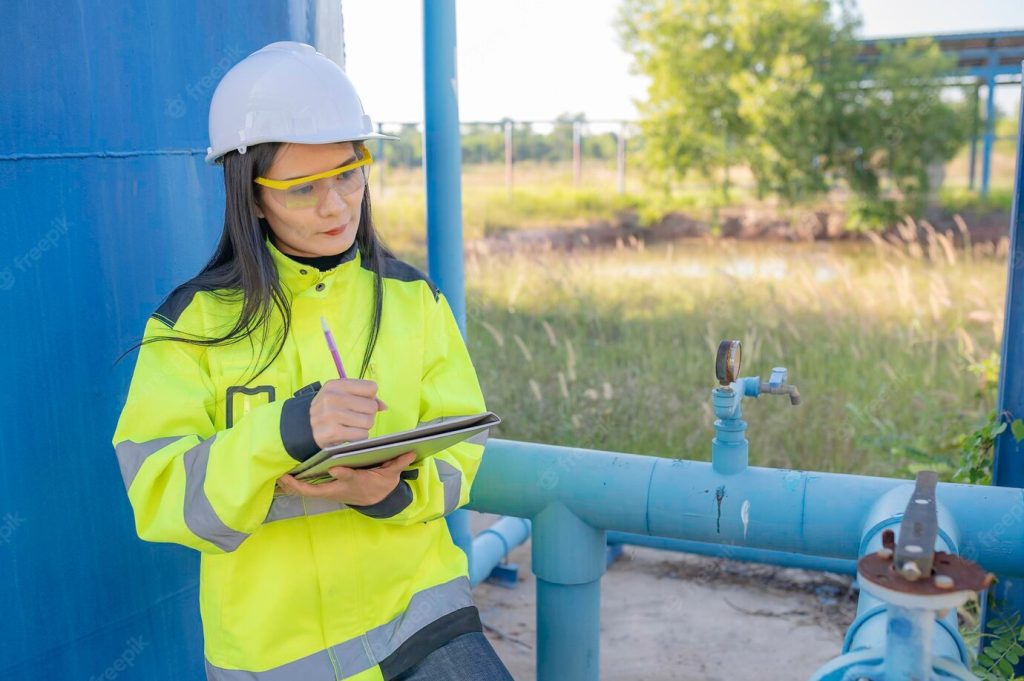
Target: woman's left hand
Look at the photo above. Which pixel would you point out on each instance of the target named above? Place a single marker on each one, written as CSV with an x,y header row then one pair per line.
x,y
351,486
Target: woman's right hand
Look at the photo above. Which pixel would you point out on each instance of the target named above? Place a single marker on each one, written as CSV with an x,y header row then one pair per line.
x,y
343,411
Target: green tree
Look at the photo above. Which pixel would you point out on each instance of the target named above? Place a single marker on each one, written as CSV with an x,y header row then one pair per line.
x,y
905,126
405,151
483,143
776,85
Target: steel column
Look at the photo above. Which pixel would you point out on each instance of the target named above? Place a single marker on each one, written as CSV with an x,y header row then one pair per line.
x,y
1008,467
442,160
442,154
990,133
974,136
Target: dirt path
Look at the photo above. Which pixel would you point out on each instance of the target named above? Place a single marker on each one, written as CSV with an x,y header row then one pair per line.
x,y
745,224
675,617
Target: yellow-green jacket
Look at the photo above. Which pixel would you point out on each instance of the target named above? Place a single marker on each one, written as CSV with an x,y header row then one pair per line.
x,y
292,587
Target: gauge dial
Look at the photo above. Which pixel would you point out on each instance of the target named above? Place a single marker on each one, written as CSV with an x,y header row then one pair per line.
x,y
727,363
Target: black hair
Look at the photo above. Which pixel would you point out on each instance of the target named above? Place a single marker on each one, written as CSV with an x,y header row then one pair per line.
x,y
242,266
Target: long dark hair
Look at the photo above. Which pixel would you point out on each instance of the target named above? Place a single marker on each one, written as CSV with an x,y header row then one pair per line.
x,y
242,266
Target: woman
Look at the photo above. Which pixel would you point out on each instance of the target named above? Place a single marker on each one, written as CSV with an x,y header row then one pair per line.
x,y
356,578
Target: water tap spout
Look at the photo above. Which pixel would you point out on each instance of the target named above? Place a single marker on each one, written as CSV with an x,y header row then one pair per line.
x,y
776,385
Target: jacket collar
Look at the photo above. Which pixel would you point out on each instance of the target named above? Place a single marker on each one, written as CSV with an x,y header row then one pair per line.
x,y
297,277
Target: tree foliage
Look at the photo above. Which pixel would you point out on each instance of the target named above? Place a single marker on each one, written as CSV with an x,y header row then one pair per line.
x,y
777,86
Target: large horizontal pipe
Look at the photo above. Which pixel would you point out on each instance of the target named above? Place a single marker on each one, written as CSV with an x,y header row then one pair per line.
x,y
741,553
819,514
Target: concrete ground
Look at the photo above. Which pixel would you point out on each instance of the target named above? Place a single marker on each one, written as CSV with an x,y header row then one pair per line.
x,y
671,616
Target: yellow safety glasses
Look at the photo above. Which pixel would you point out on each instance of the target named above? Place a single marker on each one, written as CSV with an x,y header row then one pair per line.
x,y
309,191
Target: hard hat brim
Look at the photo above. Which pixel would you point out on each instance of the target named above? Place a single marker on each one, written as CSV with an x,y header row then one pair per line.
x,y
212,156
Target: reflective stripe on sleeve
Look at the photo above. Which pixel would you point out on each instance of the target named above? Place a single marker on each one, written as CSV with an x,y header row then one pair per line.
x,y
451,480
287,506
200,517
131,455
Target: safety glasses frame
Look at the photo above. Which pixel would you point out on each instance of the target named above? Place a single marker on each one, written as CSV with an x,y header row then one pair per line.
x,y
366,159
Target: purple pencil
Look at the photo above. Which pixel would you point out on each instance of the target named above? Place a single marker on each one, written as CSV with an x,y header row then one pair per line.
x,y
333,348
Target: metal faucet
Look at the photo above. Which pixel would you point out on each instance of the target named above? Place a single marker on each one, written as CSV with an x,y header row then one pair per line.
x,y
776,385
730,448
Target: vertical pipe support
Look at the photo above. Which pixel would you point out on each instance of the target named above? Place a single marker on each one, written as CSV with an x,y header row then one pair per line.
x,y
1008,467
508,159
442,160
442,155
568,561
577,153
971,172
379,161
622,158
990,131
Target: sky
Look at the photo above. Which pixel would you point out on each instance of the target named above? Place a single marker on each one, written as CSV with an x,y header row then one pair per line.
x,y
536,59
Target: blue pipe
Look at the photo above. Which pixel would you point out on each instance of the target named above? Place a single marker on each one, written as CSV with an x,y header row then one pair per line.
x,y
443,176
730,450
990,132
908,652
572,495
1008,467
442,160
569,559
442,155
819,514
741,553
730,454
491,546
869,627
888,642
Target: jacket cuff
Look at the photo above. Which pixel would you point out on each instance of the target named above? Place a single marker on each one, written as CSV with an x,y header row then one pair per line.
x,y
389,506
296,430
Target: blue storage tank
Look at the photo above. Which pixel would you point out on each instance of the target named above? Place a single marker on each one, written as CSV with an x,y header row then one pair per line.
x,y
106,204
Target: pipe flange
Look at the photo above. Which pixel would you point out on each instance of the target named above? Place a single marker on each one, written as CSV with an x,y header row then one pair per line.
x,y
952,582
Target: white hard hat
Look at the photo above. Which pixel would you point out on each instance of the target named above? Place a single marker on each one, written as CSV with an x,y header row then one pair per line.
x,y
285,92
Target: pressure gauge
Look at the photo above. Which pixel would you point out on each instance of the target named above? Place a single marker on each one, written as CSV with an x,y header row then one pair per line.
x,y
727,363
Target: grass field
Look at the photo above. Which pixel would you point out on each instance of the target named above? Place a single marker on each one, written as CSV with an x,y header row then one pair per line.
x,y
615,350
544,196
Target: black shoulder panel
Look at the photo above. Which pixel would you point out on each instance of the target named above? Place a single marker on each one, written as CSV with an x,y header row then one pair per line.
x,y
176,302
393,268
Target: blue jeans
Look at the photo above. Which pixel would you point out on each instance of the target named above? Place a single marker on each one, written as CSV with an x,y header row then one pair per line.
x,y
468,657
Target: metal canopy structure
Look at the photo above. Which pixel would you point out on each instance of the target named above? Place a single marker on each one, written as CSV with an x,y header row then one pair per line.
x,y
980,55
991,58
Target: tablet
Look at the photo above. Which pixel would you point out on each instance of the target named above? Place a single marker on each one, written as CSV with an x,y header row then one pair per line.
x,y
425,441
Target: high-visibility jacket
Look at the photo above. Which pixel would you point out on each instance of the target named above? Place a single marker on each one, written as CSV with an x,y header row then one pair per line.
x,y
293,587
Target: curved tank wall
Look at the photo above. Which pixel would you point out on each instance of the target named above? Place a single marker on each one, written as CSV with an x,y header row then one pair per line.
x,y
105,205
